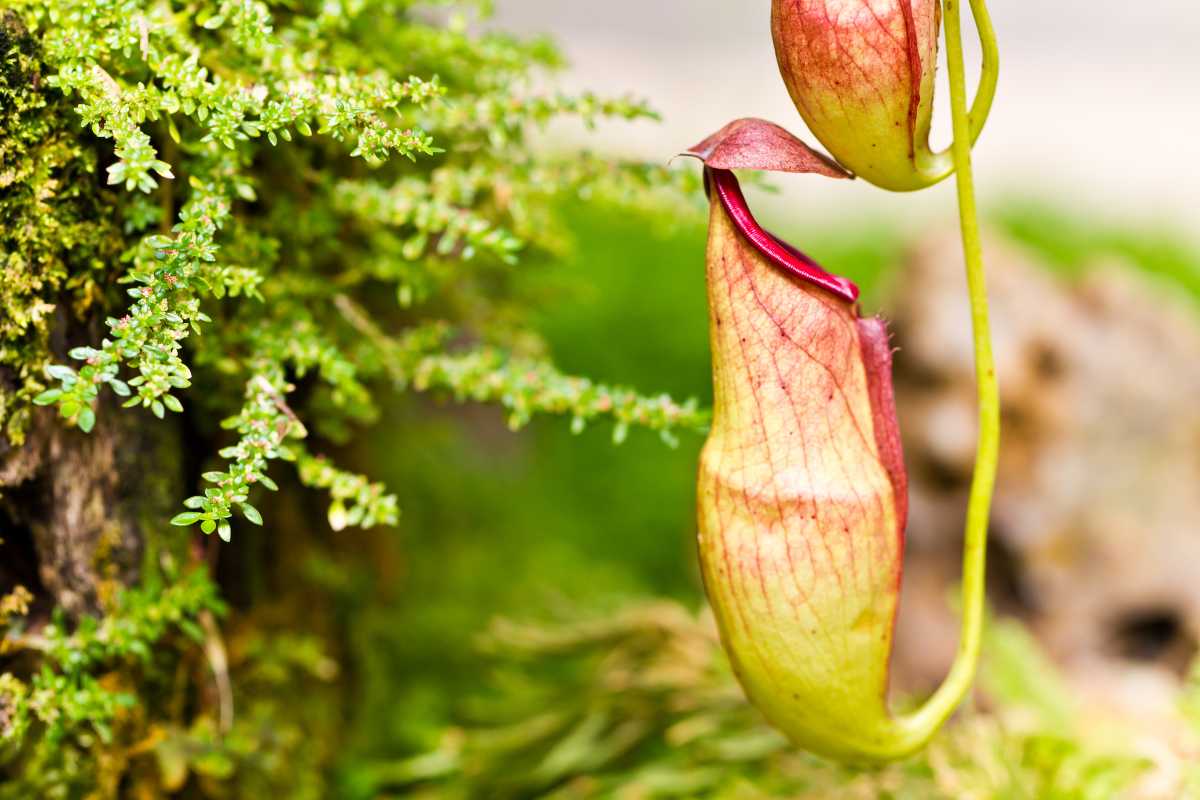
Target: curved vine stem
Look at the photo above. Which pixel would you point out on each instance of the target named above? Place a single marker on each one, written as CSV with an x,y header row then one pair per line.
x,y
918,727
938,166
990,71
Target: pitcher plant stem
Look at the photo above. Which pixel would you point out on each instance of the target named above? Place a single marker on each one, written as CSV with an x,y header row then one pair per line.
x,y
919,726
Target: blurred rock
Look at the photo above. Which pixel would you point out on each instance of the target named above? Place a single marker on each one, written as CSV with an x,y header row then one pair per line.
x,y
1096,524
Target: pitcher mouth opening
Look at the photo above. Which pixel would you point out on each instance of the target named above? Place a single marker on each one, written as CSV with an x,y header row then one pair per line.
x,y
774,249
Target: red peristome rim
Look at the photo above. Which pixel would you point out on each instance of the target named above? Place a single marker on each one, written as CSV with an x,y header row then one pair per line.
x,y
780,253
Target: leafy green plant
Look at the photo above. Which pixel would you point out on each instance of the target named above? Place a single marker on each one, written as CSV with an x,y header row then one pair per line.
x,y
277,143
90,677
251,225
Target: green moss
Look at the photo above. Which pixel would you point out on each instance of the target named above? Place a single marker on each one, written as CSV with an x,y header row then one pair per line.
x,y
56,235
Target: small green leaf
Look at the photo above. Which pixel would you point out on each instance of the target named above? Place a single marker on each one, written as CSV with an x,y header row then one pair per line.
x,y
208,526
119,387
60,372
252,514
47,397
191,630
337,515
186,518
68,409
157,408
172,402
620,432
224,531
87,420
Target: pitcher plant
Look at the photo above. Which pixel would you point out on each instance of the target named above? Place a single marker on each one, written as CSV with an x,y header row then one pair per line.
x,y
802,489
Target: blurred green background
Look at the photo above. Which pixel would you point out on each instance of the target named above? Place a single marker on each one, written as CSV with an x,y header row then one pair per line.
x,y
544,524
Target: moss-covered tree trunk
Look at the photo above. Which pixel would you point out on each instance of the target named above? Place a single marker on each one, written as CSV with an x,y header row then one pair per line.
x,y
72,506
81,505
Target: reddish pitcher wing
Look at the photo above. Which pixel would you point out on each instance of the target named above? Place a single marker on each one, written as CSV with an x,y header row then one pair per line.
x,y
877,359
